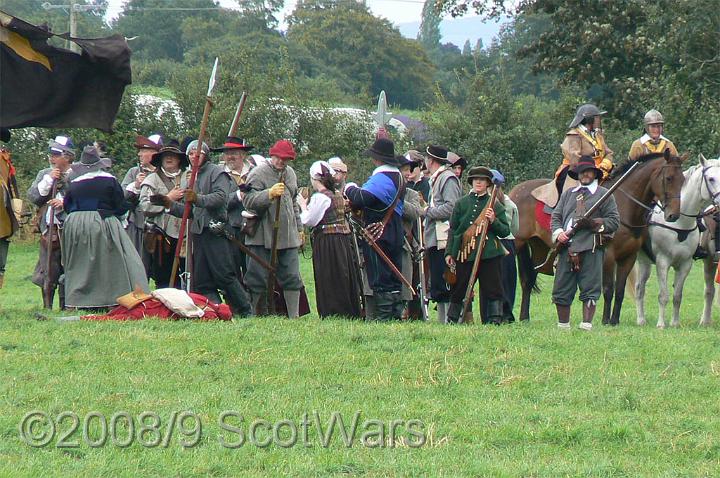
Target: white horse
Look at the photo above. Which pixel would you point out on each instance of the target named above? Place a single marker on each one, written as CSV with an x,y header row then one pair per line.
x,y
673,244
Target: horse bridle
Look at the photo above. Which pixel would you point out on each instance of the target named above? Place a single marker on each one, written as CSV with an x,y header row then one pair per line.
x,y
653,204
713,195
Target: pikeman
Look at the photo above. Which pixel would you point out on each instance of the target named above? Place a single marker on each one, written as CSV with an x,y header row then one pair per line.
x,y
581,267
237,159
271,188
212,269
461,253
381,200
162,229
61,155
445,192
146,148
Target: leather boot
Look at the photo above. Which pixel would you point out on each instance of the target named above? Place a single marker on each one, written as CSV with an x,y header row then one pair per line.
x,y
453,312
563,313
292,301
495,311
442,312
369,307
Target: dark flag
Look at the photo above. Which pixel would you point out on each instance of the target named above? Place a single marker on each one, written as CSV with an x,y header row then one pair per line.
x,y
41,85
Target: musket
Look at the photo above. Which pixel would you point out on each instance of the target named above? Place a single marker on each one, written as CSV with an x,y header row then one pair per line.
x,y
219,229
573,229
48,286
361,264
424,301
238,112
191,183
480,242
371,241
273,252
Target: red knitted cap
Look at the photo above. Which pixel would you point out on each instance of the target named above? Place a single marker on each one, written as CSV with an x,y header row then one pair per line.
x,y
283,149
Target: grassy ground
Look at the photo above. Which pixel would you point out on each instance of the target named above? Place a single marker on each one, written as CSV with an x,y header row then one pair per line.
x,y
521,400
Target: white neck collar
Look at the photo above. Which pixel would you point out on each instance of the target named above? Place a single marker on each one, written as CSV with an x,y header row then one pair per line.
x,y
592,187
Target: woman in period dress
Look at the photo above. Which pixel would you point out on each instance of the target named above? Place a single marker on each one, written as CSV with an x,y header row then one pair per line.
x,y
337,288
101,263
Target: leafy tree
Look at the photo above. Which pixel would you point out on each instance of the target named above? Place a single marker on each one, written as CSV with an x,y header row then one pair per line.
x,y
370,50
429,34
90,22
159,31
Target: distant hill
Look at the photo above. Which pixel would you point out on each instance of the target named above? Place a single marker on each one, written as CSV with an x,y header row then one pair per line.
x,y
457,30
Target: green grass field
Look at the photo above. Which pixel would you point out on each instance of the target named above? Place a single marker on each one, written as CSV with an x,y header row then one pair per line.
x,y
520,400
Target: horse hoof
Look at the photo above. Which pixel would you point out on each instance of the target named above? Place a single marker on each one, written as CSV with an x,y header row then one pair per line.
x,y
641,322
660,326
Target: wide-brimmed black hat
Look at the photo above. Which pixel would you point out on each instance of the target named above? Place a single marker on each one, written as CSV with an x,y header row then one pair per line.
x,y
383,150
438,153
479,172
233,142
585,163
172,147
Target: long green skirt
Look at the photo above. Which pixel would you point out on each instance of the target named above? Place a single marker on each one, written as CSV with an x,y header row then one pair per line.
x,y
101,262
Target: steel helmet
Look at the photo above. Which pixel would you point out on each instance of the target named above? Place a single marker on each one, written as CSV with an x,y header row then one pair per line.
x,y
585,111
653,117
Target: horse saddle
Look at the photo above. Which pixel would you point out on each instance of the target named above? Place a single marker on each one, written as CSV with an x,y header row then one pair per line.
x,y
549,193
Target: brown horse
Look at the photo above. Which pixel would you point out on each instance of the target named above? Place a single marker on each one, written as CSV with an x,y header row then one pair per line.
x,y
659,176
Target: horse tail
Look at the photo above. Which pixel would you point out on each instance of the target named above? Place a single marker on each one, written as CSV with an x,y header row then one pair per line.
x,y
527,268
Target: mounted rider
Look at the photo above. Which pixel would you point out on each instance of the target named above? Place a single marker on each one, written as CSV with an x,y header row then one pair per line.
x,y
585,138
653,140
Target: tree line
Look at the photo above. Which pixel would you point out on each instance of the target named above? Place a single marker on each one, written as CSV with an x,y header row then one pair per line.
x,y
506,104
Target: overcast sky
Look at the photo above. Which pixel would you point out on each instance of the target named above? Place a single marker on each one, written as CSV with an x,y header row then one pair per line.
x,y
397,11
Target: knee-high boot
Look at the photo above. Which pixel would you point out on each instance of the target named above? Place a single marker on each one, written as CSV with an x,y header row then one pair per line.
x,y
453,312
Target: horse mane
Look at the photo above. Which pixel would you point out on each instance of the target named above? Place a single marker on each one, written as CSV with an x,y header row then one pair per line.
x,y
622,169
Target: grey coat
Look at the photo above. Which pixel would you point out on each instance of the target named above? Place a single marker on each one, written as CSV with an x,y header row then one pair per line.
x,y
212,187
135,214
584,239
257,200
152,185
40,201
234,206
445,192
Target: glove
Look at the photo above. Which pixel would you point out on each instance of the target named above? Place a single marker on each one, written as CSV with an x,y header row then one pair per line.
x,y
583,223
190,196
277,190
594,225
160,200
